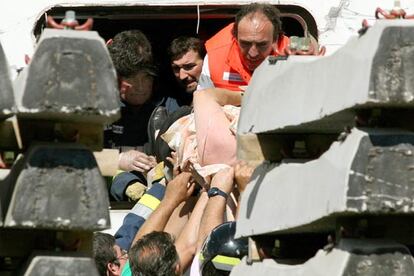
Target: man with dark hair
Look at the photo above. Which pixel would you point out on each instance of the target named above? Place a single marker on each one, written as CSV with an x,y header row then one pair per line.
x,y
130,52
109,258
236,51
132,57
155,254
187,55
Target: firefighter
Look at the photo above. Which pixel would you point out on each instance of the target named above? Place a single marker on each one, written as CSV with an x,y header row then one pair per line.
x,y
132,57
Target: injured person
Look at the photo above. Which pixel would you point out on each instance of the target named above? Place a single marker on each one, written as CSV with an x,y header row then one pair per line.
x,y
205,140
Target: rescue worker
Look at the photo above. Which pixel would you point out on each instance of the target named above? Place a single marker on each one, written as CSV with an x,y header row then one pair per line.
x,y
132,57
131,54
235,52
186,57
137,216
187,54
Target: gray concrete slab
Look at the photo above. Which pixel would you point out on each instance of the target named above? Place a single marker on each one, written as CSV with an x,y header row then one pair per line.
x,y
349,257
7,107
321,94
70,77
370,172
64,265
8,137
59,187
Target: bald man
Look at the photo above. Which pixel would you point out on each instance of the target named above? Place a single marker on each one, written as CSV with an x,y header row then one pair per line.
x,y
237,50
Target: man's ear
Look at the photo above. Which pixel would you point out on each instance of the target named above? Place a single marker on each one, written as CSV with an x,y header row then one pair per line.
x,y
177,269
124,87
275,48
113,269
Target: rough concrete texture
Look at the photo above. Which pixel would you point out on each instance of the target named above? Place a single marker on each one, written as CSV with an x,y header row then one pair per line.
x,y
7,107
371,172
320,94
349,257
7,185
71,76
50,265
8,135
59,187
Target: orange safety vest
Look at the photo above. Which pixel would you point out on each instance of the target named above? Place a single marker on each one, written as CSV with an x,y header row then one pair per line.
x,y
224,59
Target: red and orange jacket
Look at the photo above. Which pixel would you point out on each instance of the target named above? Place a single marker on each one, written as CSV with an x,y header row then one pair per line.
x,y
224,59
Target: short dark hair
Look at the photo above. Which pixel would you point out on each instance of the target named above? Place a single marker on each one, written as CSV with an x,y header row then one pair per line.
x,y
154,254
271,12
104,251
131,52
181,45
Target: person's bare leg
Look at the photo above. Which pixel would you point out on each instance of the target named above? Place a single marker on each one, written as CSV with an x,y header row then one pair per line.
x,y
215,142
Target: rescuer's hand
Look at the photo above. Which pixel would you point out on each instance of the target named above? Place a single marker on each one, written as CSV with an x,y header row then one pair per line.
x,y
242,174
179,189
134,160
224,180
174,161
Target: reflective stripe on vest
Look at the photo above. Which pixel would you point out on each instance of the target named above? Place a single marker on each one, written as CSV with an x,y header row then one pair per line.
x,y
222,262
149,201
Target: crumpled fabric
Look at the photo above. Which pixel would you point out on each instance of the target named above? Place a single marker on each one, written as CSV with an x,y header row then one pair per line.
x,y
181,137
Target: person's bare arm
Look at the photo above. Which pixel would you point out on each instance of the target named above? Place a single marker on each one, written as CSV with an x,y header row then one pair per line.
x,y
178,190
180,217
186,243
216,206
219,95
242,173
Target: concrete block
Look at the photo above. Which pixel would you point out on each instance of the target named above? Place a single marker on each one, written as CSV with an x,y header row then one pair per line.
x,y
59,187
349,257
5,195
70,78
7,184
7,107
323,94
17,244
8,135
40,130
370,172
63,265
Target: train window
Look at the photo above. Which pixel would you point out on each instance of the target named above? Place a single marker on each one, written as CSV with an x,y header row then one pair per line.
x,y
162,24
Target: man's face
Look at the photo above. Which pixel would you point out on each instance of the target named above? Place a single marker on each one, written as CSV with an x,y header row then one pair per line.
x,y
255,38
187,70
122,257
139,89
